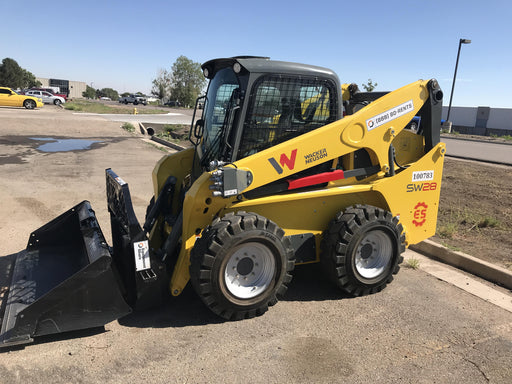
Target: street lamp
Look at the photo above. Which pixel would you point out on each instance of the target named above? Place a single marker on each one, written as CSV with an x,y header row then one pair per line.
x,y
461,41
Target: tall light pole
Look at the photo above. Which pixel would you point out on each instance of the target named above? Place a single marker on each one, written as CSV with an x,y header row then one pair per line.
x,y
461,41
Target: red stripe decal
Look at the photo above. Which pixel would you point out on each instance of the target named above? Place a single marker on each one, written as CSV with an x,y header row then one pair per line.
x,y
315,179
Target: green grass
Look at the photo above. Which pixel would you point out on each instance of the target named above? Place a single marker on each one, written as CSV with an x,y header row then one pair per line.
x,y
169,132
159,147
445,130
91,106
452,247
505,137
128,127
447,230
412,263
175,127
459,222
488,222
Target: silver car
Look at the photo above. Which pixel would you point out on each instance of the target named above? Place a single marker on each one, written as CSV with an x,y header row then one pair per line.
x,y
47,97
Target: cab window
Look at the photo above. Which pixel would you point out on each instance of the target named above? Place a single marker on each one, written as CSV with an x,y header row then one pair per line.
x,y
283,107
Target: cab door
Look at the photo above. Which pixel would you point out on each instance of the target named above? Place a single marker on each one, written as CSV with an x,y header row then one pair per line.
x,y
6,98
47,97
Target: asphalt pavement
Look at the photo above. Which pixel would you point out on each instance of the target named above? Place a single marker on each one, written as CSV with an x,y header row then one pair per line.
x,y
169,118
480,150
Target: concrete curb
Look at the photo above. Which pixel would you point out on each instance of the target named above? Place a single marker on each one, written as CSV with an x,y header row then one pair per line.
x,y
479,160
465,262
168,144
454,137
144,131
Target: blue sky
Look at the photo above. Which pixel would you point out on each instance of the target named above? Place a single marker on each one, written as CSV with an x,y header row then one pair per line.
x,y
123,44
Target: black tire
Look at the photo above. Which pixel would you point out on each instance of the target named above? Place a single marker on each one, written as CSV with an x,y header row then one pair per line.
x,y
135,102
240,265
361,249
57,102
29,104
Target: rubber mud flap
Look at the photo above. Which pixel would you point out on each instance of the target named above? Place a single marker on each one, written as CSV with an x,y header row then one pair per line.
x,y
64,280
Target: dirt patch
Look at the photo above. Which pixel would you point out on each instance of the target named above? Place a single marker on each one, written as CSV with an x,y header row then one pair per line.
x,y
475,214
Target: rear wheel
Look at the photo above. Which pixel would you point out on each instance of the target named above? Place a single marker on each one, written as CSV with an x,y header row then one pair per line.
x,y
241,264
362,249
29,104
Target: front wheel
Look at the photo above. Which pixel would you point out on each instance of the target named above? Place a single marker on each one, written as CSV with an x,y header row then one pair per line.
x,y
361,250
57,102
29,104
241,264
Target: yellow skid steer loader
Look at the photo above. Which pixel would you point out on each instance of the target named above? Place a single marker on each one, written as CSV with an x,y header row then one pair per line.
x,y
288,167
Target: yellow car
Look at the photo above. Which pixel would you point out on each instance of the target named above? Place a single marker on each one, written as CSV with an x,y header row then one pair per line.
x,y
9,98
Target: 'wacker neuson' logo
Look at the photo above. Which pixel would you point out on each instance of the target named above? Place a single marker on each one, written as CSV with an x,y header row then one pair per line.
x,y
284,160
315,156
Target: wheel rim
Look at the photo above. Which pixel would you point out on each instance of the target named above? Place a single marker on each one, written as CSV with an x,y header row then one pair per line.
x,y
250,270
373,254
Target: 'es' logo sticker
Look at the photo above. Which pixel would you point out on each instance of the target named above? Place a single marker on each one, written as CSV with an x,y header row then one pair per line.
x,y
284,160
420,214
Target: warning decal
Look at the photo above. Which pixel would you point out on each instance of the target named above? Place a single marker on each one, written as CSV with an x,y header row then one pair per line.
x,y
390,114
141,251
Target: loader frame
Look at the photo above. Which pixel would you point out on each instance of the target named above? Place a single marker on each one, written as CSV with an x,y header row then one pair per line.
x,y
396,156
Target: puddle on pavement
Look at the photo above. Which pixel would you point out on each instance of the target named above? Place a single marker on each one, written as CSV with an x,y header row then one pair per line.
x,y
64,145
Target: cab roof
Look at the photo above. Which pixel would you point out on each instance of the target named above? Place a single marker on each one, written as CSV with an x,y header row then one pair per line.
x,y
256,64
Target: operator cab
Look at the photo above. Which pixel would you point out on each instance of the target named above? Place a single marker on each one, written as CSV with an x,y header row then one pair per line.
x,y
253,103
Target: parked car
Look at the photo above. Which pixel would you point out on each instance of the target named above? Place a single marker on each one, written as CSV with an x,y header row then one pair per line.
x,y
47,97
50,90
173,103
135,99
9,98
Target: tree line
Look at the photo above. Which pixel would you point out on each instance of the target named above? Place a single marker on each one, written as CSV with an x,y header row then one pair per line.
x,y
184,82
13,76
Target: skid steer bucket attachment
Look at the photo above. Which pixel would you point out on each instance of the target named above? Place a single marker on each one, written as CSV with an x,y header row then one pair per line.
x,y
64,280
143,273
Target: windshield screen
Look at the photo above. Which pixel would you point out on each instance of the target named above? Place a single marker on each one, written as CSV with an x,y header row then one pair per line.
x,y
216,109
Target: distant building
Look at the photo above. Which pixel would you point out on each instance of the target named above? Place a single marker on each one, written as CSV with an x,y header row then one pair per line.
x,y
483,121
73,89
